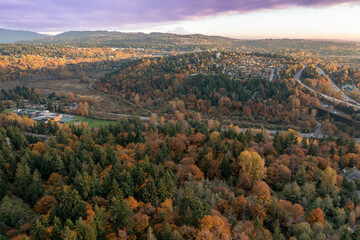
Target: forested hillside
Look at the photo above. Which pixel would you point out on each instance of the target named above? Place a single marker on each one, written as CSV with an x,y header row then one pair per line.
x,y
161,180
11,36
178,42
231,85
164,41
189,166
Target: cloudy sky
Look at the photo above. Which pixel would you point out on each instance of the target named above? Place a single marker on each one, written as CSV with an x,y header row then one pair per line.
x,y
321,19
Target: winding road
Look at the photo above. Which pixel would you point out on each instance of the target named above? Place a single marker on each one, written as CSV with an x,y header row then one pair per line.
x,y
317,134
346,97
351,103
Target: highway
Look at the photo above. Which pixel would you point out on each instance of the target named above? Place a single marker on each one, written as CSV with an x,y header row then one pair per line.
x,y
317,134
346,97
271,78
329,98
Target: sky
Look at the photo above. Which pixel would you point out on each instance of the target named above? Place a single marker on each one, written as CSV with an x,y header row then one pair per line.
x,y
249,19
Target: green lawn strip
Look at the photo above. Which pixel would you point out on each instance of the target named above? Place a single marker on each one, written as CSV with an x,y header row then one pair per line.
x,y
96,123
76,119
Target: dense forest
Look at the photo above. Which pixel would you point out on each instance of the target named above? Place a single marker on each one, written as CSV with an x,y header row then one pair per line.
x,y
190,168
162,180
28,62
202,82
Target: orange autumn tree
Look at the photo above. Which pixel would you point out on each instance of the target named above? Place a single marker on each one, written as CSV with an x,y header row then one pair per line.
x,y
44,204
316,216
238,206
217,224
261,191
39,147
141,222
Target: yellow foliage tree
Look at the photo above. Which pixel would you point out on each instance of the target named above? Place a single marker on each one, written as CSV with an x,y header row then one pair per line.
x,y
251,162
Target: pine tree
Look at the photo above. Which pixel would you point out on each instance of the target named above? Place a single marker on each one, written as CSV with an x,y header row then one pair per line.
x,y
69,235
225,167
312,150
85,231
149,193
35,191
126,183
100,223
121,214
277,230
85,185
346,234
39,231
332,151
170,183
23,179
167,233
352,147
70,206
57,230
115,191
162,190
192,208
301,176
3,184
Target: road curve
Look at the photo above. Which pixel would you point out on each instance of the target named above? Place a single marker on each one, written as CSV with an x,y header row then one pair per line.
x,y
346,97
297,77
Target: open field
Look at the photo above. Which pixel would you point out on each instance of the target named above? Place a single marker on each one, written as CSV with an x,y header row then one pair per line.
x,y
95,123
105,104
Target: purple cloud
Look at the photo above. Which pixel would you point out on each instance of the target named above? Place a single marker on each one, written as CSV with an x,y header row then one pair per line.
x,y
59,15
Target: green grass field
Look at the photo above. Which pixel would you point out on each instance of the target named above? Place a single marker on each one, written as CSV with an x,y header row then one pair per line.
x,y
95,123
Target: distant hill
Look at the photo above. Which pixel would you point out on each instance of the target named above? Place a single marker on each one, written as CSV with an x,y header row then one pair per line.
x,y
177,42
166,41
12,36
82,34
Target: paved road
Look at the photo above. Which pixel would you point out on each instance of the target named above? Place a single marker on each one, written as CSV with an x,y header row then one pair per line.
x,y
128,115
317,134
47,137
346,97
271,78
329,98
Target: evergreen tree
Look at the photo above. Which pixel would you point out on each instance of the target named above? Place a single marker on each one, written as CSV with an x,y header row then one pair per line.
x,y
121,214
100,223
85,231
345,234
23,179
352,146
149,193
39,231
3,184
35,191
225,167
192,208
332,150
70,206
167,233
56,232
312,150
301,176
162,190
170,183
84,185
